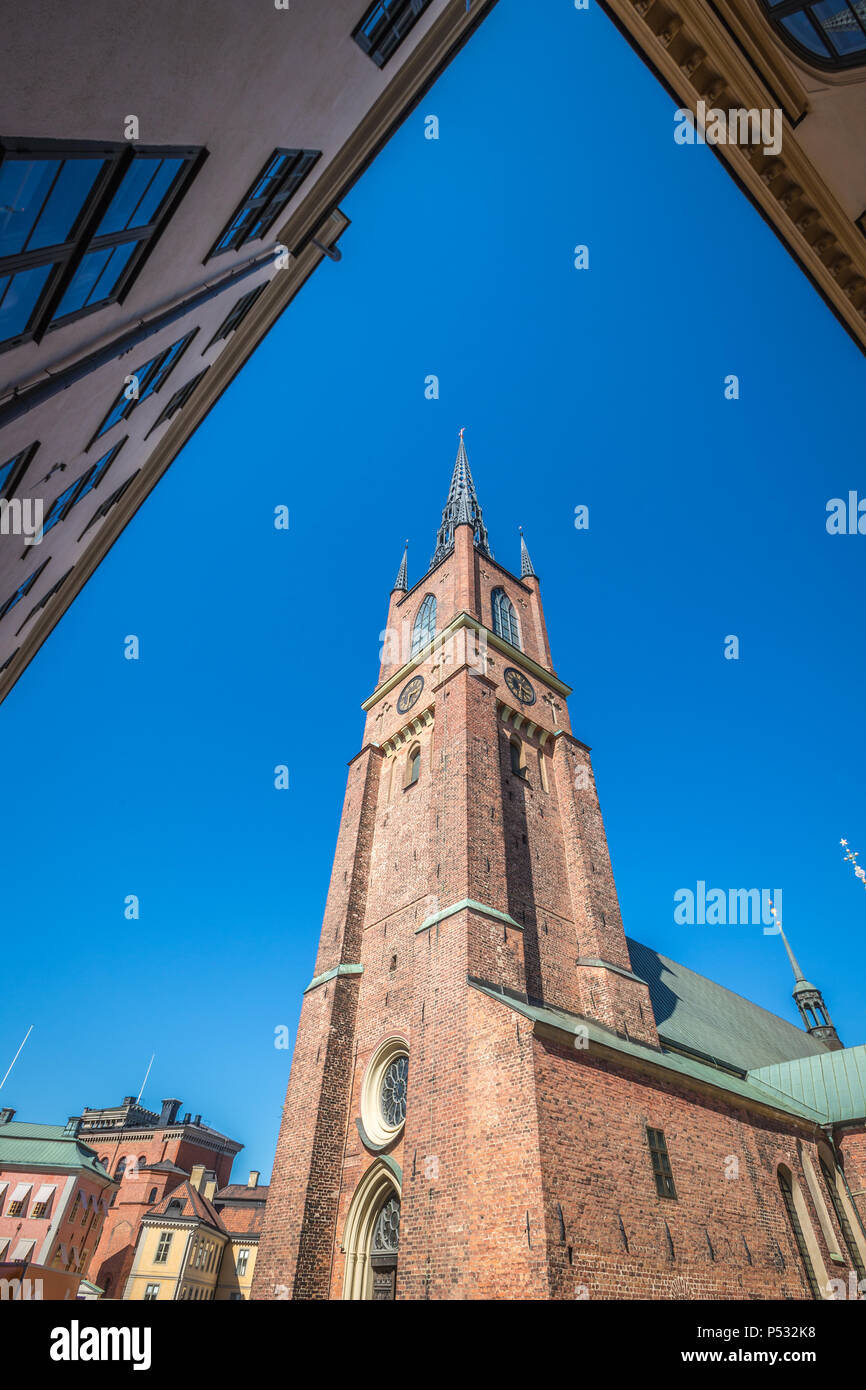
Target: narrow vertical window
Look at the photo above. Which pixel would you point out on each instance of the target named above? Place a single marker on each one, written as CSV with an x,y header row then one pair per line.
x,y
661,1164
413,765
787,1191
504,617
424,629
831,1178
516,753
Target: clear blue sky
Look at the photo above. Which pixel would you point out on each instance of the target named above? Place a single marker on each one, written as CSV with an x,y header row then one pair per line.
x,y
707,517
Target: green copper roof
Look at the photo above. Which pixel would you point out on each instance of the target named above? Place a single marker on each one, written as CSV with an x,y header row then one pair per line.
x,y
834,1083
45,1146
695,1013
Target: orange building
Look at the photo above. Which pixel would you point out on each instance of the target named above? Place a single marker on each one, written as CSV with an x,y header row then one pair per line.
x,y
149,1154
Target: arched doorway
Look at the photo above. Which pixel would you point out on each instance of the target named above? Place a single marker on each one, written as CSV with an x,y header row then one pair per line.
x,y
371,1236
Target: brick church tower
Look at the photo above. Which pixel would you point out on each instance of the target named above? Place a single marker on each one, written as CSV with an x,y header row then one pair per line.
x,y
478,1075
471,850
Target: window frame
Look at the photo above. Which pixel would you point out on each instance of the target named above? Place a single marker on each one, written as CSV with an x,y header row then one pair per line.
x,y
20,463
424,633
178,400
65,257
270,204
374,47
413,767
231,323
661,1164
90,479
498,598
147,373
105,507
23,590
835,62
163,1247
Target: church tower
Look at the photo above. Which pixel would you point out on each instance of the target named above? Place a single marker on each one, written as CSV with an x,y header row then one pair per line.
x,y
471,867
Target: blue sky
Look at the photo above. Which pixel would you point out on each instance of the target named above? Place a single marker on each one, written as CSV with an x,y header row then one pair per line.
x,y
603,388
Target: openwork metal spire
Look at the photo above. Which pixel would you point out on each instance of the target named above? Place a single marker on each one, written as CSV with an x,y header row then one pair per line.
x,y
809,1000
402,581
461,509
525,563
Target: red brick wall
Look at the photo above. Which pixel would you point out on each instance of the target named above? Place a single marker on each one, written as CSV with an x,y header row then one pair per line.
x,y
502,1130
595,1158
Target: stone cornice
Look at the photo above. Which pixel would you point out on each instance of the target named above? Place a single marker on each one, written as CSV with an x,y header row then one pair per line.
x,y
699,54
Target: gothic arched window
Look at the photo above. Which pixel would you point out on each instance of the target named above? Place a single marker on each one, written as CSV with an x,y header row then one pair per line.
x,y
424,629
413,765
790,1195
120,1170
517,764
839,1206
504,617
829,34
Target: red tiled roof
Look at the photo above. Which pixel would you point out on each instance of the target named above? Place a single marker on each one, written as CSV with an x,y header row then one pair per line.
x,y
240,1192
194,1207
246,1220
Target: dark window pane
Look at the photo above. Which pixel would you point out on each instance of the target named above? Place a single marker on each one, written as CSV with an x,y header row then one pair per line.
x,y
107,283
96,278
68,196
269,177
18,296
137,201
839,24
83,282
24,187
799,27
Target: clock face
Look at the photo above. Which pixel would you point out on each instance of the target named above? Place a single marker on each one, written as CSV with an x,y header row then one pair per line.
x,y
519,686
410,694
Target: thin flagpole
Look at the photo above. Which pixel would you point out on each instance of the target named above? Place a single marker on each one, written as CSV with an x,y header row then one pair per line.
x,y
144,1082
17,1055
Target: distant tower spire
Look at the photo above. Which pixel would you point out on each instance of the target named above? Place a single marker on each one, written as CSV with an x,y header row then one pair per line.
x,y
402,581
810,1001
525,563
461,509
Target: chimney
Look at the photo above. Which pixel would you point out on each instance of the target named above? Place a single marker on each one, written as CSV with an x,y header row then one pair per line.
x,y
197,1120
196,1177
210,1186
168,1112
6,1116
253,1180
129,1100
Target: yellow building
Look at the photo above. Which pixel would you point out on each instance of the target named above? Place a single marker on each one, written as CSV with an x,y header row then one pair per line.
x,y
199,1242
